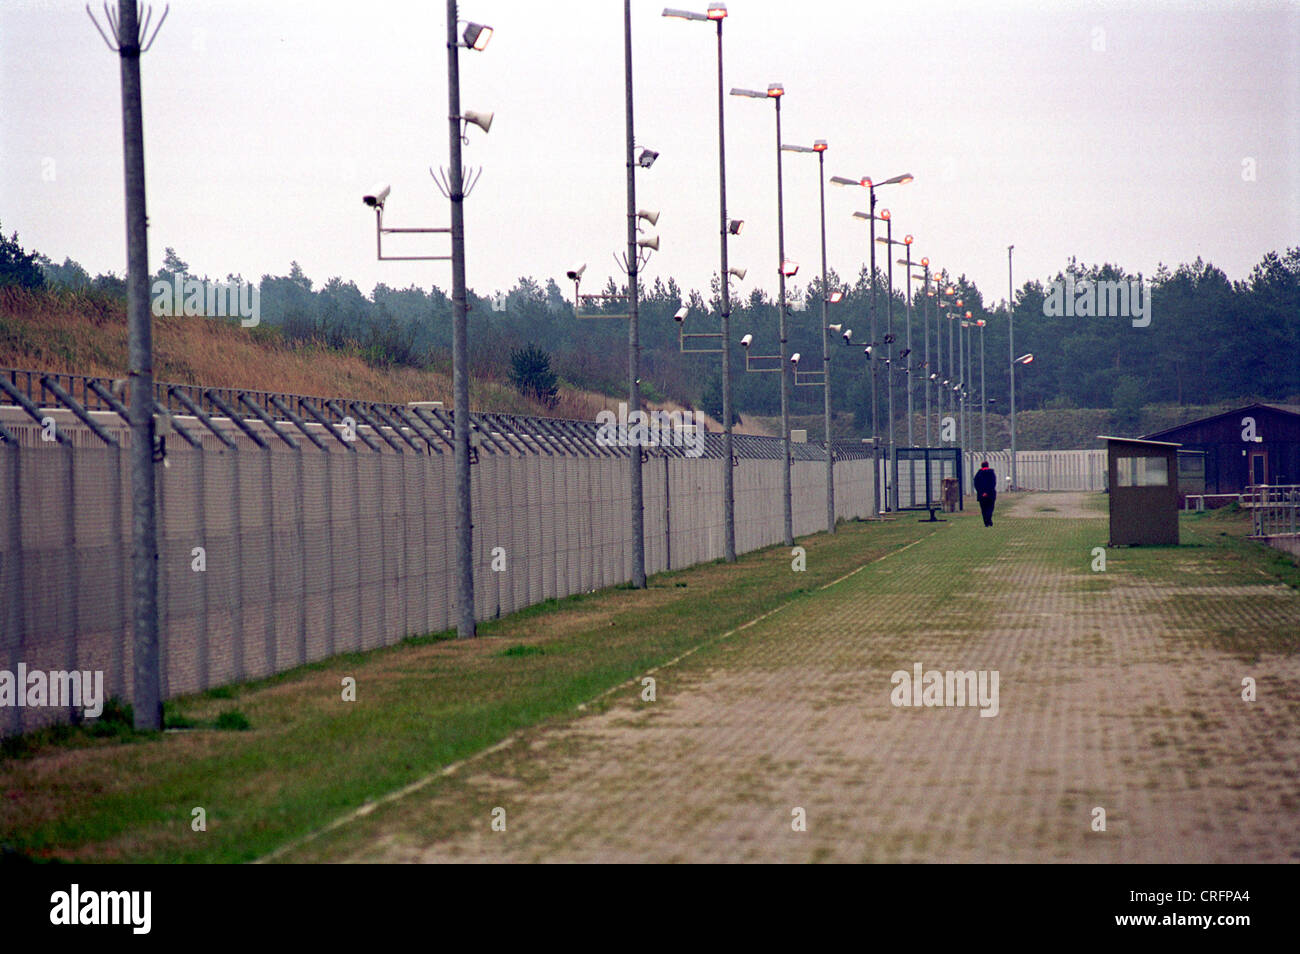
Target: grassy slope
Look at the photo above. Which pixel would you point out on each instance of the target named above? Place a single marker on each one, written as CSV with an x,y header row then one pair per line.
x,y
81,334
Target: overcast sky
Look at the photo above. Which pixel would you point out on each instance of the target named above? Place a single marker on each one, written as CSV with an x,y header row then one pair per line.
x,y
1133,133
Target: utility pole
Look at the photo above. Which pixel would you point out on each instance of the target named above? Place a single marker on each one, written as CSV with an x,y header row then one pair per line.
x,y
1011,349
785,379
465,625
633,333
129,42
728,472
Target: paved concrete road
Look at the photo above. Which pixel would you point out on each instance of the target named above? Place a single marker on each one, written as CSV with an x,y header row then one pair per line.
x,y
1115,692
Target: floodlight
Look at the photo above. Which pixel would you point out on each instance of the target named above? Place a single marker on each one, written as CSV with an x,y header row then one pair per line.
x,y
646,158
819,145
789,269
735,225
717,11
836,297
775,89
476,35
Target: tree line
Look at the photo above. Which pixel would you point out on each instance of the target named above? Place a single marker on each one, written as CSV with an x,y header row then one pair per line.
x,y
1208,339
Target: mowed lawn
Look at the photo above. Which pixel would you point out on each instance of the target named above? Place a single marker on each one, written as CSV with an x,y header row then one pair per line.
x,y
921,592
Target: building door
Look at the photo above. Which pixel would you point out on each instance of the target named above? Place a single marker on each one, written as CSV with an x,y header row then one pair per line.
x,y
1259,467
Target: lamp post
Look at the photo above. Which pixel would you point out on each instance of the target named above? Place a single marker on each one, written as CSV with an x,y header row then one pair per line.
x,y
907,263
870,215
1011,357
963,384
774,92
819,147
927,376
887,241
954,371
717,12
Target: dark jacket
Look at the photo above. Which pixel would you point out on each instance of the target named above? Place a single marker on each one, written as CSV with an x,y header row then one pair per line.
x,y
986,482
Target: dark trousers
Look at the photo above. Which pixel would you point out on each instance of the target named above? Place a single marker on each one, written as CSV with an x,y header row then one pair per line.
x,y
986,508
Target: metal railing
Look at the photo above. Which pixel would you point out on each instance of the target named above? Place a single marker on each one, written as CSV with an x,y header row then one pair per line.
x,y
1275,509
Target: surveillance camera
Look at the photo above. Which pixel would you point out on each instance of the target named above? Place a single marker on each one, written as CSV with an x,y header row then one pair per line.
x,y
681,314
576,273
746,341
794,358
848,335
377,196
867,351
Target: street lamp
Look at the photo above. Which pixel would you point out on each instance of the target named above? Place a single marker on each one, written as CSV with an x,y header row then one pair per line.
x,y
887,241
819,147
870,185
907,263
925,326
785,268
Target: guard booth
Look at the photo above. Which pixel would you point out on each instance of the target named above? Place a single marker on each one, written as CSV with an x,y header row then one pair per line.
x,y
921,473
1143,482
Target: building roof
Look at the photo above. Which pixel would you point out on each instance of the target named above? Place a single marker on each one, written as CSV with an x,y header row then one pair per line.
x,y
1291,409
1137,440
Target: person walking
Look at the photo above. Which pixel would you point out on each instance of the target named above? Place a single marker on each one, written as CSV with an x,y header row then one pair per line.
x,y
986,491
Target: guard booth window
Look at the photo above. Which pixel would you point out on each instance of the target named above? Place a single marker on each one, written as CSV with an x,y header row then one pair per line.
x,y
1142,471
